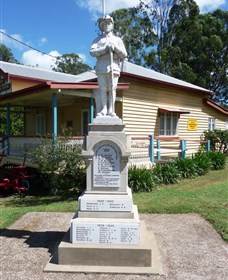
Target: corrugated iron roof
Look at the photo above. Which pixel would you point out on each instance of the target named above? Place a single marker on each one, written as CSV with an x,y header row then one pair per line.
x,y
127,68
143,72
43,74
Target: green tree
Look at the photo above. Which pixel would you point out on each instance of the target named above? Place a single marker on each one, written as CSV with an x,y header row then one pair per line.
x,y
7,55
172,37
197,47
70,63
220,74
158,13
182,41
135,30
16,121
17,118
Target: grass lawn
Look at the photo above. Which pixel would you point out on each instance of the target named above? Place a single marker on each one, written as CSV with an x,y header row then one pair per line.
x,y
206,195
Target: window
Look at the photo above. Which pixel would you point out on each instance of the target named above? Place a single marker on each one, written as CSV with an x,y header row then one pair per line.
x,y
168,123
40,124
211,124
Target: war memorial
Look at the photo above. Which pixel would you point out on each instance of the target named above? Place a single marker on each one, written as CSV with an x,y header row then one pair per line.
x,y
106,234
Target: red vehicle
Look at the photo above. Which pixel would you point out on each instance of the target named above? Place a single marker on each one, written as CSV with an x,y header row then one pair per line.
x,y
14,179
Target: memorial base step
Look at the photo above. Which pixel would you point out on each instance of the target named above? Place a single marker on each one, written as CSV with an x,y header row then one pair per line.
x,y
106,202
143,258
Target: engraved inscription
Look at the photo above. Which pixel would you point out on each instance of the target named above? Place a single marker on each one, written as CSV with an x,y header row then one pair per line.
x,y
84,233
104,233
128,234
106,167
106,205
107,234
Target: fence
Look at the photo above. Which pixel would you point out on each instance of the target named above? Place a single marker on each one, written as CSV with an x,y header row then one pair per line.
x,y
157,148
20,146
144,150
181,150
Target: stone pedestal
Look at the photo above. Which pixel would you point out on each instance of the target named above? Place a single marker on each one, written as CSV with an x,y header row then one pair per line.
x,y
106,214
106,153
106,234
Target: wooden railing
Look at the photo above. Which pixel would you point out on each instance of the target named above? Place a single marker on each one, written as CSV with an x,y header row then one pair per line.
x,y
19,146
144,150
157,149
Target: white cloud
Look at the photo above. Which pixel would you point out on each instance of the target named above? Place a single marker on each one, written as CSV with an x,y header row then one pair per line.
x,y
9,42
209,5
34,58
95,6
46,61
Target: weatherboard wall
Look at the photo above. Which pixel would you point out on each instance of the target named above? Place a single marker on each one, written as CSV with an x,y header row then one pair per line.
x,y
141,115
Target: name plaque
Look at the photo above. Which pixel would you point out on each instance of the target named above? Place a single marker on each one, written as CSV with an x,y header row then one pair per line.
x,y
112,205
105,233
106,167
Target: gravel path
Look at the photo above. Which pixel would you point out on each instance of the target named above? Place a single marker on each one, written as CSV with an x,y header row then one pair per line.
x,y
189,246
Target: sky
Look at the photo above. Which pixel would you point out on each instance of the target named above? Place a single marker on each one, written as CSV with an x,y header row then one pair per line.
x,y
57,27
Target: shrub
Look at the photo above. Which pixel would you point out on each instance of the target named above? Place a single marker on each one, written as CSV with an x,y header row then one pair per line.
x,y
218,160
187,167
166,173
63,171
141,179
144,180
218,139
202,162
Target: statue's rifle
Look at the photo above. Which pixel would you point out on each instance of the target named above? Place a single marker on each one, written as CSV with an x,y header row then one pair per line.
x,y
112,78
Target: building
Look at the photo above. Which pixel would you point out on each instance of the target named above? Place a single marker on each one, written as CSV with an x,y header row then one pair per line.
x,y
163,116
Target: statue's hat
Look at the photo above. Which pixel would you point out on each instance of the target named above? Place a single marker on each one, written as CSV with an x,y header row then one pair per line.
x,y
103,20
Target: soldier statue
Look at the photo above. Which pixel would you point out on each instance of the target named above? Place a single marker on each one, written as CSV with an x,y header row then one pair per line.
x,y
109,51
